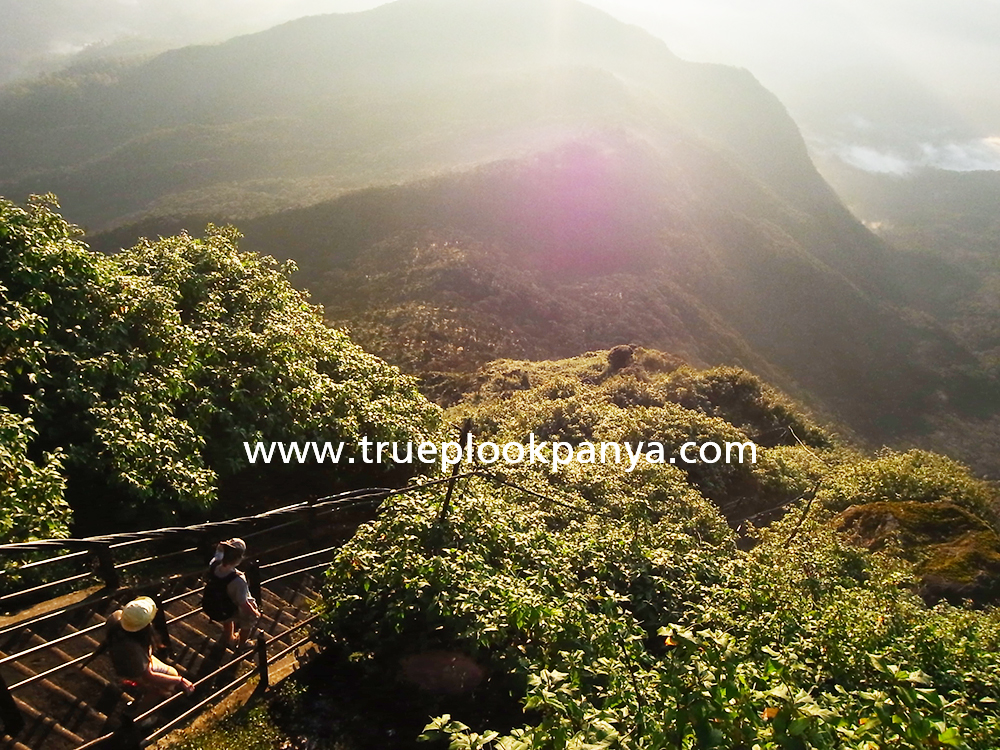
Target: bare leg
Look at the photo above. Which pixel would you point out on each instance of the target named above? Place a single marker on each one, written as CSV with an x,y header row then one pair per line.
x,y
248,628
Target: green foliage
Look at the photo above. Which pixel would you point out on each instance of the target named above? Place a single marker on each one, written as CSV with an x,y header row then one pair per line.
x,y
31,502
253,731
148,370
651,398
643,636
916,476
621,613
745,401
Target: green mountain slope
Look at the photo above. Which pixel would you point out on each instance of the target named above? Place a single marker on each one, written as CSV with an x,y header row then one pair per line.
x,y
945,233
610,240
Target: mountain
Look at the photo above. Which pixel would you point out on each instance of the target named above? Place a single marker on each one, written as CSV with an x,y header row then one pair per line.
x,y
944,231
333,102
464,180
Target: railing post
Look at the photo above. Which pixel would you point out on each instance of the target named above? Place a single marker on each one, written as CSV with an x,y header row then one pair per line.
x,y
252,569
128,735
262,661
13,721
160,624
465,435
106,566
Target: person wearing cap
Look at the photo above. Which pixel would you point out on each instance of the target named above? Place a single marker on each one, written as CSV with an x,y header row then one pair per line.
x,y
130,639
223,568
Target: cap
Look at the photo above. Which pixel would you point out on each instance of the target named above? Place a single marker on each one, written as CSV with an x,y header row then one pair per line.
x,y
235,543
138,613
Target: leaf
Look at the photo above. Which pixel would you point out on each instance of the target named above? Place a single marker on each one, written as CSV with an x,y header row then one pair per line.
x,y
951,737
781,691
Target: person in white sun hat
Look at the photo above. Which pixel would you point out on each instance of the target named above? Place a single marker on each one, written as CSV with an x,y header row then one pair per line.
x,y
130,639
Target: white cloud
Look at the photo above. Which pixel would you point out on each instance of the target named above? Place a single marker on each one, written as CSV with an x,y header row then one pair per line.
x,y
982,154
968,156
872,160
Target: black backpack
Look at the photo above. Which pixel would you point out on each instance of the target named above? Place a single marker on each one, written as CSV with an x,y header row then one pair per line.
x,y
215,601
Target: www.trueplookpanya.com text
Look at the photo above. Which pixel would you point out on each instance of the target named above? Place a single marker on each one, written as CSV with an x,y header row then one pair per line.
x,y
554,454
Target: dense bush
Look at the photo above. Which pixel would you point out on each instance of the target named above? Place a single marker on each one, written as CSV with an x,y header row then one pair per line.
x,y
31,504
618,608
632,394
147,370
916,475
634,633
742,399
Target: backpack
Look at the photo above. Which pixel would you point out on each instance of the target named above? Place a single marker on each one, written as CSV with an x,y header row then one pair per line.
x,y
215,601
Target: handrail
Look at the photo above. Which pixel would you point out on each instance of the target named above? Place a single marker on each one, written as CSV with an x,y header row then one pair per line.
x,y
48,585
48,673
239,657
300,557
103,545
166,728
107,569
49,560
357,496
49,644
272,579
97,626
166,531
20,625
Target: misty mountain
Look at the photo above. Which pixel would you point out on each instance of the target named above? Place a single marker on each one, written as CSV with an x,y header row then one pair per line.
x,y
944,230
329,103
884,118
465,180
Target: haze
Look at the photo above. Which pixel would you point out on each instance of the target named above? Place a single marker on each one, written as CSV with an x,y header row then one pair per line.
x,y
887,85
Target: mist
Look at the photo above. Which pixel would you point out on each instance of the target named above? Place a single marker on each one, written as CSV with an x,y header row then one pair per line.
x,y
889,84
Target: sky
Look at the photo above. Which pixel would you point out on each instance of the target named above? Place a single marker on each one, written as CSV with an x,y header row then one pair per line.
x,y
887,85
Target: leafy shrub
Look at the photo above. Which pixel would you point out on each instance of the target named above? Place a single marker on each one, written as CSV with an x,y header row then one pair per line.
x,y
585,399
31,504
149,369
659,639
745,401
916,475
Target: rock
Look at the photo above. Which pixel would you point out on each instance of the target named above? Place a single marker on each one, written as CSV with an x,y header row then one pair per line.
x,y
956,554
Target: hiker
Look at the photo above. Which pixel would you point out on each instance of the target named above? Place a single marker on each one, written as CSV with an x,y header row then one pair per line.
x,y
226,598
130,640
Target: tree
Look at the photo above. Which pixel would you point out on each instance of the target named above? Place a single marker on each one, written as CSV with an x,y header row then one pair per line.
x,y
149,369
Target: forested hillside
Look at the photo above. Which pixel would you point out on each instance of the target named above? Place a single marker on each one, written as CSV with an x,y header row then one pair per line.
x,y
328,103
610,239
945,232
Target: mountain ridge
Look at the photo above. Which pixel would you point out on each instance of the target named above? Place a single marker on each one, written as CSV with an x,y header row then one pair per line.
x,y
324,77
